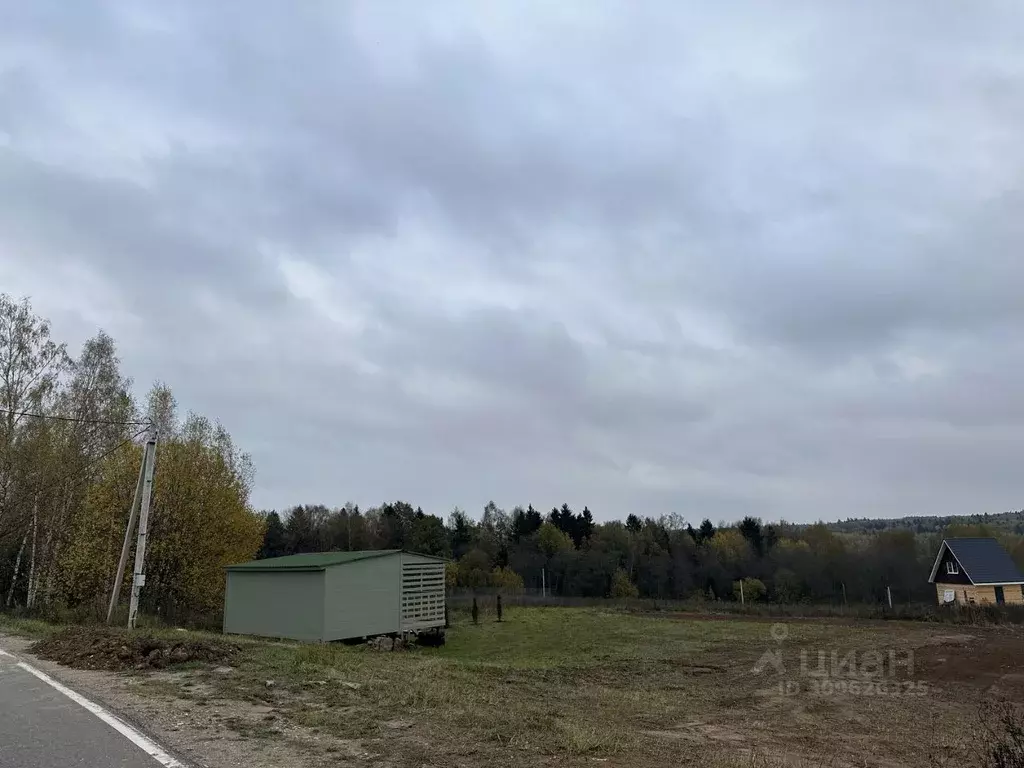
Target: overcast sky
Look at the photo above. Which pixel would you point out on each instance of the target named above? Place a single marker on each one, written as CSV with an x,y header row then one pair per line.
x,y
707,258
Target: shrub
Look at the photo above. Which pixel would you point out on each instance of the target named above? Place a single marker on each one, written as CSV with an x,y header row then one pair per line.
x,y
622,586
788,588
753,590
473,570
451,574
506,580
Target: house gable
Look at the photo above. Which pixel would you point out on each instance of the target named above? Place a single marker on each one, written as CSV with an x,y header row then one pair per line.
x,y
947,563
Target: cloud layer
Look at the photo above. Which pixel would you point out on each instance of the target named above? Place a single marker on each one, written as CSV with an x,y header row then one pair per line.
x,y
658,258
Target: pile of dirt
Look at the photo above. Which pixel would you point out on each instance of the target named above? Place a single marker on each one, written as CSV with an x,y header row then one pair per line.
x,y
119,649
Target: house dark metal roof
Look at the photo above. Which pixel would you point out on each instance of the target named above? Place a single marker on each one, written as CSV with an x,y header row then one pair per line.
x,y
984,561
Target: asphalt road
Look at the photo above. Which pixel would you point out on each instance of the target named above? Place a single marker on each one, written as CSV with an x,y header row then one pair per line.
x,y
40,727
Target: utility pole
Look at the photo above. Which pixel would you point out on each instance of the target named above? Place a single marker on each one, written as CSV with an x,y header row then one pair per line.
x,y
139,576
742,601
888,591
126,547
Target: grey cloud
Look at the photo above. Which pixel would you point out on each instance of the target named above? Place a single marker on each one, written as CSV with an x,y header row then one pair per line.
x,y
659,258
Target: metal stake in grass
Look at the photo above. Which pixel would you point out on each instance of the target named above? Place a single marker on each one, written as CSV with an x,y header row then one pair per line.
x,y
476,612
499,607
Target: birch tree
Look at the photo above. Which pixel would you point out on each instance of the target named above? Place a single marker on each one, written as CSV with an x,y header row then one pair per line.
x,y
31,366
98,399
68,473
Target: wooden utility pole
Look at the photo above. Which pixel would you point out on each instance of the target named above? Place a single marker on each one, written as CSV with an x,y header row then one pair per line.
x,y
126,547
742,601
139,576
888,592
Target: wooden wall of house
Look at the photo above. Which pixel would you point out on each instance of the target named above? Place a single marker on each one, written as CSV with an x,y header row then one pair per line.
x,y
967,593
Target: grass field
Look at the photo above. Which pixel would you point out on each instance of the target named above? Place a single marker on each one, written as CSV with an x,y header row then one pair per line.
x,y
567,686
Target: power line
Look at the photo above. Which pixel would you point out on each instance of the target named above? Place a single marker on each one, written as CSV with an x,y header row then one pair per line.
x,y
79,474
76,420
76,477
100,458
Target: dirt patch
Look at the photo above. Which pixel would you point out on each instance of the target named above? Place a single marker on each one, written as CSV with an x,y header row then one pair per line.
x,y
989,661
957,639
700,733
117,649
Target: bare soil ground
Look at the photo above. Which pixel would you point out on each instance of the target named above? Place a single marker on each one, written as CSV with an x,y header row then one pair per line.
x,y
991,661
574,687
117,649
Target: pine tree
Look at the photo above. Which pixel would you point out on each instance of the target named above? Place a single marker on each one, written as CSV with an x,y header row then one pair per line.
x,y
707,531
751,530
534,520
273,538
586,524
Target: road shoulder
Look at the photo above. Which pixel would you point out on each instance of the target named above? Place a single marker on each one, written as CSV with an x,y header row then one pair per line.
x,y
197,736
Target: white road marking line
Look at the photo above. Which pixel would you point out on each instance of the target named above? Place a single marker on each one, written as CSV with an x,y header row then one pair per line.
x,y
144,743
4,653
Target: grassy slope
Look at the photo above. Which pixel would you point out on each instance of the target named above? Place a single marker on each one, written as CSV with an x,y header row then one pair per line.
x,y
569,686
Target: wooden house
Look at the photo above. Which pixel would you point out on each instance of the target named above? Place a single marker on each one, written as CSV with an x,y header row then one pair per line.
x,y
976,571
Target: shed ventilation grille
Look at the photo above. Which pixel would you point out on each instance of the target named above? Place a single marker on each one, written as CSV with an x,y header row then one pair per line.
x,y
422,595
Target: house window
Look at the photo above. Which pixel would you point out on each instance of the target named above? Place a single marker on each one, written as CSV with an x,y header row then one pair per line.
x,y
952,568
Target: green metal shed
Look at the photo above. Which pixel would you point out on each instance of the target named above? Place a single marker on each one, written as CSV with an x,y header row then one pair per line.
x,y
328,596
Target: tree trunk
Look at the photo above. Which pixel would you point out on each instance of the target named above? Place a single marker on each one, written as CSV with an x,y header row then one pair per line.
x,y
31,596
54,542
17,570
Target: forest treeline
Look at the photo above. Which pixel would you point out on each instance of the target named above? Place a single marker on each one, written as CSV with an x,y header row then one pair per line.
x,y
997,524
665,557
70,451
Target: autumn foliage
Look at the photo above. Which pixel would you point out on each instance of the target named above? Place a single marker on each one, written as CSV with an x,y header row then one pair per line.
x,y
70,453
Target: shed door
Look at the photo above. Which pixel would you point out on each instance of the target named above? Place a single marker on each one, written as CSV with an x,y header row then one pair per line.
x,y
422,595
1000,597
